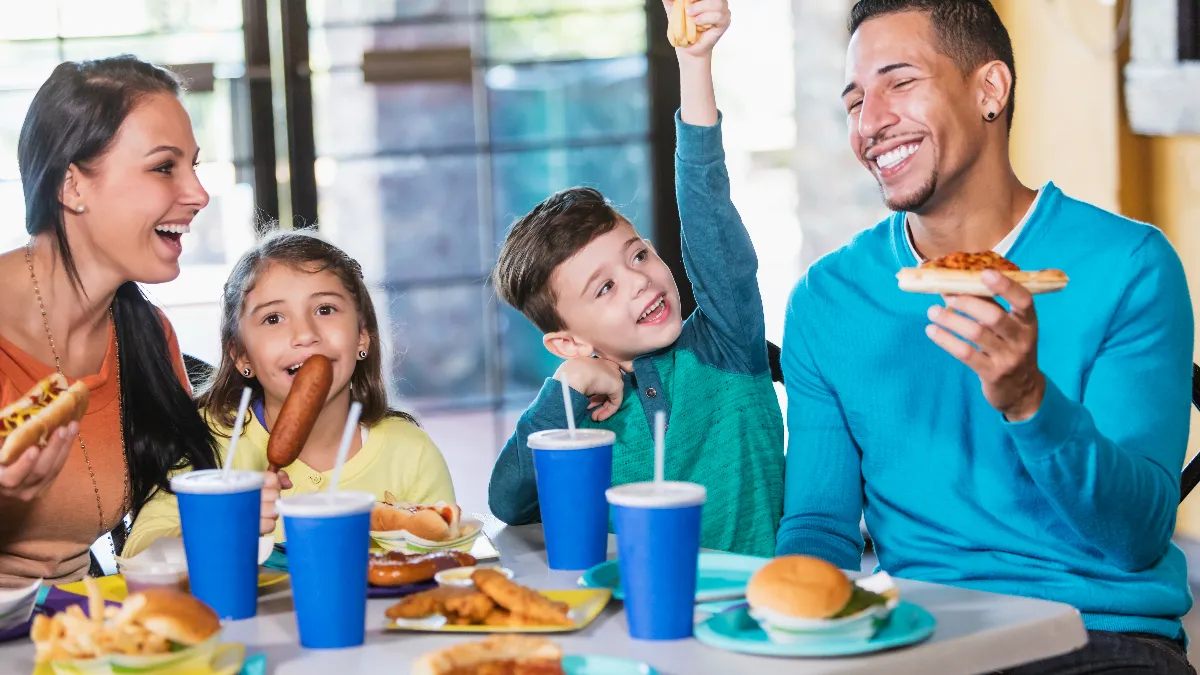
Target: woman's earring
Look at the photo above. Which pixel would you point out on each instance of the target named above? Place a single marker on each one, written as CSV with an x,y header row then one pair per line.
x,y
362,354
79,209
246,372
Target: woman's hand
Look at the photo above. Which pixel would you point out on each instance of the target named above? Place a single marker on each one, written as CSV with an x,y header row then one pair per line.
x,y
272,483
37,468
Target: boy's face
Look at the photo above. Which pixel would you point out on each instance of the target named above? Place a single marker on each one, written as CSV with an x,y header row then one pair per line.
x,y
617,299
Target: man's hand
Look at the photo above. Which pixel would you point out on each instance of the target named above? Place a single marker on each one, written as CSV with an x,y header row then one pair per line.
x,y
1004,354
598,379
714,14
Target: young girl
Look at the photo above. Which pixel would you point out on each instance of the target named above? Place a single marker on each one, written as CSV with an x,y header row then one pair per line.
x,y
291,296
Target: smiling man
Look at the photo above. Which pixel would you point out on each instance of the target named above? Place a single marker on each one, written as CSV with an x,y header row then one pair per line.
x,y
1022,447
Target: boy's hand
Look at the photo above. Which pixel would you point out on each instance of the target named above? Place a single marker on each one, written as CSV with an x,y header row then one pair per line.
x,y
713,15
598,379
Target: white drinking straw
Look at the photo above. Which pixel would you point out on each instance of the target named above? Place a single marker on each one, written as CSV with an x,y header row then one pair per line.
x,y
344,448
567,405
660,431
237,431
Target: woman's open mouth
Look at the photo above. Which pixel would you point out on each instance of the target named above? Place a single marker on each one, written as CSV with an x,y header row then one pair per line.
x,y
172,235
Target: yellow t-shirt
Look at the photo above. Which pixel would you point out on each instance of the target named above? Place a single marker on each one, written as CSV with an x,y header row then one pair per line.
x,y
397,457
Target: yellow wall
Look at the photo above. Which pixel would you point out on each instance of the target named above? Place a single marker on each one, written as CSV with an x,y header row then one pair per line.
x,y
1066,121
1173,203
1070,128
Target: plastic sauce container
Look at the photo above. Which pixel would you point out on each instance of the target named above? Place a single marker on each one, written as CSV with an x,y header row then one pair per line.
x,y
155,575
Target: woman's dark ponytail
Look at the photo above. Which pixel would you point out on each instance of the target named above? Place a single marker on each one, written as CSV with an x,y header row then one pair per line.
x,y
163,430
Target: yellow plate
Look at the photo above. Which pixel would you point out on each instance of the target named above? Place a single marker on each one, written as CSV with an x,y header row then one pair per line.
x,y
585,605
113,587
269,577
226,659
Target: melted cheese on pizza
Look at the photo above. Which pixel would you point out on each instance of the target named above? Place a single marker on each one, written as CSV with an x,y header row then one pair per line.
x,y
973,262
540,667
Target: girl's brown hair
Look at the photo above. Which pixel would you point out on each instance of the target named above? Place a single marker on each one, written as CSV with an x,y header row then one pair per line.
x,y
299,250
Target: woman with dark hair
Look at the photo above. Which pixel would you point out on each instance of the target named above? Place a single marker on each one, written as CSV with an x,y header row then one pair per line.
x,y
107,160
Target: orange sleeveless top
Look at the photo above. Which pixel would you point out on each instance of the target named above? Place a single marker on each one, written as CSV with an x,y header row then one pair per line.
x,y
49,537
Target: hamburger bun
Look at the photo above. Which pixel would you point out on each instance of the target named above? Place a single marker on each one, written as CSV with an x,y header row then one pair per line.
x,y
174,615
511,650
799,586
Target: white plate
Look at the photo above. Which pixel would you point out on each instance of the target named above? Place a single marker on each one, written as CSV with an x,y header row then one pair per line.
x,y
783,629
406,542
461,576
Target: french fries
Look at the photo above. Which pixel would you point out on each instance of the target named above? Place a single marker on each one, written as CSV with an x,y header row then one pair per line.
x,y
682,30
72,635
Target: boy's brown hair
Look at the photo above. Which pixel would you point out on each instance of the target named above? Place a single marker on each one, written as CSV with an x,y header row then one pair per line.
x,y
303,251
543,239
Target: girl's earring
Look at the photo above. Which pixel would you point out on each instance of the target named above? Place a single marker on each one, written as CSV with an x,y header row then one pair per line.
x,y
246,372
362,355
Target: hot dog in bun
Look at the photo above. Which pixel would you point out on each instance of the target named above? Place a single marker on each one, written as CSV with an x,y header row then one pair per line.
x,y
433,522
30,420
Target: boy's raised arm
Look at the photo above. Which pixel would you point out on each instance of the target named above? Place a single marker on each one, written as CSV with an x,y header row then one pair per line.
x,y
717,252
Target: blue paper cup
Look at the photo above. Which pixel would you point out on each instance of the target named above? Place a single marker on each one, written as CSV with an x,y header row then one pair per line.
x,y
658,551
220,519
573,470
327,540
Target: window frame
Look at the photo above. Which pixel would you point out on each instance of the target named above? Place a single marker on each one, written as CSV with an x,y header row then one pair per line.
x,y
1189,30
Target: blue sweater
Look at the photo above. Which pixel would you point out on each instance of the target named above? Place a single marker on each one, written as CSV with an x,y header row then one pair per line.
x,y
1076,504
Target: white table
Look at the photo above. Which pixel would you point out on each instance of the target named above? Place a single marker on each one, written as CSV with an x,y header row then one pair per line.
x,y
976,632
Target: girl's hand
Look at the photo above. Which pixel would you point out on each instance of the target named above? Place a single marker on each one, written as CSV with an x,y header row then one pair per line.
x,y
37,468
270,493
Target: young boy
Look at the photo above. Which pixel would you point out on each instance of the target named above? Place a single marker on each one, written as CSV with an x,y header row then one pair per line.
x,y
609,306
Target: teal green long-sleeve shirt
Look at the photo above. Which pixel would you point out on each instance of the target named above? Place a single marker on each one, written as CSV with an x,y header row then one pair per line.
x,y
724,425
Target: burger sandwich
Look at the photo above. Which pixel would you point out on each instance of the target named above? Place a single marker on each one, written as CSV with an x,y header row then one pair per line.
x,y
803,591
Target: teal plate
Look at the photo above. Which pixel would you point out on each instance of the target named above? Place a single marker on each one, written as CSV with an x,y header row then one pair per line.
x,y
722,576
604,665
735,631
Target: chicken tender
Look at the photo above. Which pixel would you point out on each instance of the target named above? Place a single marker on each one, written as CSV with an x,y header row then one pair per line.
x,y
531,606
469,609
427,603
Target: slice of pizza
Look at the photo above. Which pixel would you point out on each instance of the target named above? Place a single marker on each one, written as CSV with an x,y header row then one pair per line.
x,y
496,655
962,274
29,420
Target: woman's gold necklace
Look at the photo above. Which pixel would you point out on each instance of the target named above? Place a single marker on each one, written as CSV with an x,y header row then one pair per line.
x,y
120,408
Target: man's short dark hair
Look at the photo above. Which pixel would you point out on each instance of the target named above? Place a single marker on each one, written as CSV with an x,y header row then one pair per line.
x,y
968,31
542,240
